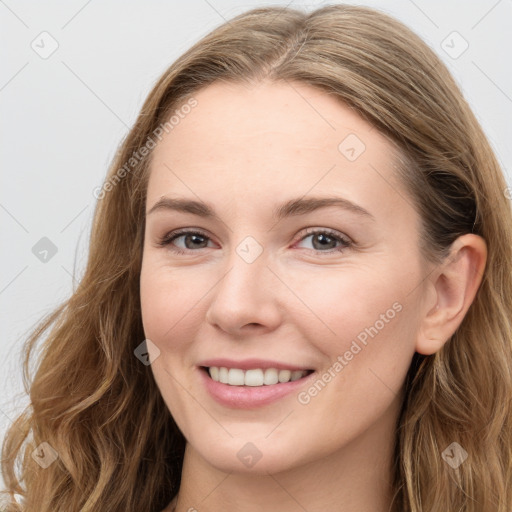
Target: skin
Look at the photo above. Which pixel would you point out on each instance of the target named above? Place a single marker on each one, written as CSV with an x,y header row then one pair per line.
x,y
244,150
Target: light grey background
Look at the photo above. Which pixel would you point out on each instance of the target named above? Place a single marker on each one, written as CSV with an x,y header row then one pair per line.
x,y
64,114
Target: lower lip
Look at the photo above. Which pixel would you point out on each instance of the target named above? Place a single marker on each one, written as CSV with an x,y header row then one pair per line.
x,y
249,397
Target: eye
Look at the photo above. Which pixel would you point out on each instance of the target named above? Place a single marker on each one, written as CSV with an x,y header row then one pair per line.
x,y
326,240
191,240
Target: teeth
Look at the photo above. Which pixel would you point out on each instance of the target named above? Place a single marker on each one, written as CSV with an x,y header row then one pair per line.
x,y
236,377
296,375
254,377
251,378
223,375
270,377
284,375
214,373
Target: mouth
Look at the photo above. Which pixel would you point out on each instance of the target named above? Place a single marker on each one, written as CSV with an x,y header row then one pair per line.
x,y
252,383
253,377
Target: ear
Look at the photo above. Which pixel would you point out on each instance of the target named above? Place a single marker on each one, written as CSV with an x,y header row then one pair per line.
x,y
451,288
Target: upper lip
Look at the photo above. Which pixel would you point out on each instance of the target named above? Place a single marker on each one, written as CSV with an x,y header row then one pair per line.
x,y
249,364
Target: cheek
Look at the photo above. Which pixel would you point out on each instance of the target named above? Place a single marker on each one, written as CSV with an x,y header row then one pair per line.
x,y
367,358
168,299
345,303
365,325
169,303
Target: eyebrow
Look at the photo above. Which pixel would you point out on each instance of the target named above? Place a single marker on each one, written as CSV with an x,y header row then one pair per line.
x,y
298,206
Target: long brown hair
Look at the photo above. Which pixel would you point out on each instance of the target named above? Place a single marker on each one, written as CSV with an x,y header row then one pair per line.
x,y
99,408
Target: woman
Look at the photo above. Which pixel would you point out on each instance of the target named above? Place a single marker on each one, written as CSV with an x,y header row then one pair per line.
x,y
297,295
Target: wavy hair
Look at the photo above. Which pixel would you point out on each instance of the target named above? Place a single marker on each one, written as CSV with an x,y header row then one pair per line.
x,y
93,401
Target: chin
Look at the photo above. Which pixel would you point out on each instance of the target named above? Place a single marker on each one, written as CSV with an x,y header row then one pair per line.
x,y
258,457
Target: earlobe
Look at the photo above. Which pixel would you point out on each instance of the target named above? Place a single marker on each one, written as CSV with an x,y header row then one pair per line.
x,y
428,346
453,287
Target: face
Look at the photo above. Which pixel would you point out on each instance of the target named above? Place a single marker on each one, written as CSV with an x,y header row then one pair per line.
x,y
301,261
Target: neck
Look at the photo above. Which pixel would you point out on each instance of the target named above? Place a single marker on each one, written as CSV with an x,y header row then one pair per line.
x,y
356,477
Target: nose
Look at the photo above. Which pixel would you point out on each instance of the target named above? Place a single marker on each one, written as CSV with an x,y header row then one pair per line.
x,y
246,299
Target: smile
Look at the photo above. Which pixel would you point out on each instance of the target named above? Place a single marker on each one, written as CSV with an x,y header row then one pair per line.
x,y
254,377
251,387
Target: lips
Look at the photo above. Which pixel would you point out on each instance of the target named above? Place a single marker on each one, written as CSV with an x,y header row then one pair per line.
x,y
252,382
249,364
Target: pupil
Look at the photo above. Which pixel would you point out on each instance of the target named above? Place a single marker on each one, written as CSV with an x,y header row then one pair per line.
x,y
323,237
194,237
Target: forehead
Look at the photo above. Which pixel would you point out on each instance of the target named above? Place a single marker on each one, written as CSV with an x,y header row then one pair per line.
x,y
271,141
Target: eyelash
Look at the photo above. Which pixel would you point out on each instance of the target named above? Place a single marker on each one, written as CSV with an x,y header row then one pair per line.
x,y
345,242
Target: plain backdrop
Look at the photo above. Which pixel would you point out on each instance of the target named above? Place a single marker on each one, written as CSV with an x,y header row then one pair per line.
x,y
73,77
